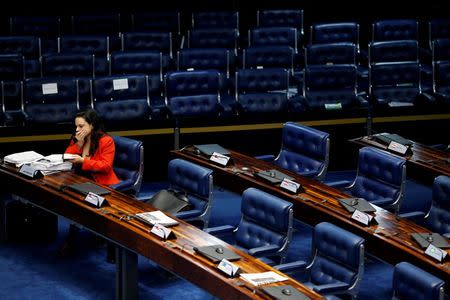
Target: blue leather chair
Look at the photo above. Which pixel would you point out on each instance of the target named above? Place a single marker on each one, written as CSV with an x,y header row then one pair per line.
x,y
262,90
256,57
215,19
12,73
213,38
380,178
438,218
265,228
411,282
50,100
330,54
205,59
162,21
337,262
28,46
393,51
282,18
273,36
128,164
395,29
438,29
121,97
332,87
304,150
441,82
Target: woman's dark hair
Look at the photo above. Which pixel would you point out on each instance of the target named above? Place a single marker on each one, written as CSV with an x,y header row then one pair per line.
x,y
92,118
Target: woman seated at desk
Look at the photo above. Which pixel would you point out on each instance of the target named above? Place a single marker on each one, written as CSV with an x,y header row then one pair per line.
x,y
94,150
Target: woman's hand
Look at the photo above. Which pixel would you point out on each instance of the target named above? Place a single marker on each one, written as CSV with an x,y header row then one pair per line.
x,y
77,159
81,137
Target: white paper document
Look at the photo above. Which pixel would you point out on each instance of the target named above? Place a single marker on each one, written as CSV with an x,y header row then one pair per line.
x,y
262,278
21,158
156,217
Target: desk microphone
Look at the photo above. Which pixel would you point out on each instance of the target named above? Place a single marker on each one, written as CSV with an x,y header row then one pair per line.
x,y
219,250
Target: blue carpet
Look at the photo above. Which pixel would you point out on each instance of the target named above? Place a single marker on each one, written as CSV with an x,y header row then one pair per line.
x,y
33,271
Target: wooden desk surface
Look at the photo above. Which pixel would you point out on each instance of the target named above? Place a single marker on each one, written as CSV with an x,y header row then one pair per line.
x,y
111,221
423,158
390,239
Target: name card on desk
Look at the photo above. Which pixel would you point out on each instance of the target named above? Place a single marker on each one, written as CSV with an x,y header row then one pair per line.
x,y
30,171
435,252
162,231
94,199
228,268
219,158
290,185
362,217
397,147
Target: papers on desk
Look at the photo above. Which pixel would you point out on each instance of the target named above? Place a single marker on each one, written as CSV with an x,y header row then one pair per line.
x,y
21,158
258,279
156,217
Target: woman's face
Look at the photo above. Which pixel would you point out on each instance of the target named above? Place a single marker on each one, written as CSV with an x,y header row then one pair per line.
x,y
82,125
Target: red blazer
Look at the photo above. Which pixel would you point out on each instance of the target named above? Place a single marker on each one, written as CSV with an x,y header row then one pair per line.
x,y
100,165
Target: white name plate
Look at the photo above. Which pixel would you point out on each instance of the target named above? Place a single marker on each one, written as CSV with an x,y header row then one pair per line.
x,y
162,231
219,158
120,84
397,147
49,88
435,252
29,171
361,217
333,106
94,199
228,268
290,185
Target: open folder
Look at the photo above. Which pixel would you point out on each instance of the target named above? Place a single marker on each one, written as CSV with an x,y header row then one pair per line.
x,y
88,187
361,204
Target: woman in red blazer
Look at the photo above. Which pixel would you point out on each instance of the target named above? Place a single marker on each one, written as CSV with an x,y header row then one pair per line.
x,y
94,149
94,156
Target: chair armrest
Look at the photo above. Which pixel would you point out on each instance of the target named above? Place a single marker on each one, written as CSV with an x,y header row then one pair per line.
x,y
331,287
362,98
267,157
292,266
309,174
428,98
219,230
413,215
382,202
122,186
263,250
339,184
188,214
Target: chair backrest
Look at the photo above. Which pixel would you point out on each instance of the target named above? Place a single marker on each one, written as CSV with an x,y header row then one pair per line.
x,y
304,150
164,21
438,218
440,50
68,64
121,97
441,79
128,164
194,93
28,46
330,86
325,33
438,29
393,51
338,256
266,220
280,18
411,282
330,54
215,19
380,178
51,100
262,90
273,36
269,57
204,59
197,183
395,29
12,67
213,38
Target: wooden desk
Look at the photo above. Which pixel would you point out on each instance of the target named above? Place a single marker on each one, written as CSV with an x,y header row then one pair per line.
x,y
132,236
390,239
424,162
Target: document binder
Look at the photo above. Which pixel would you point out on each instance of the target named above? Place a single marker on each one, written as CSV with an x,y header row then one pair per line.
x,y
387,138
88,187
216,253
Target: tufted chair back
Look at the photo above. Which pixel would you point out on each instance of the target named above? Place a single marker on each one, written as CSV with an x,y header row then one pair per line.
x,y
330,54
438,218
380,178
266,220
273,36
393,51
324,33
193,93
395,29
213,38
205,59
215,19
128,164
441,80
196,183
51,100
262,90
411,282
338,256
121,97
304,150
256,57
280,18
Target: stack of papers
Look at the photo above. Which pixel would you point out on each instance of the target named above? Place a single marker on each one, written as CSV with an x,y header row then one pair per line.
x,y
156,217
22,158
51,163
258,279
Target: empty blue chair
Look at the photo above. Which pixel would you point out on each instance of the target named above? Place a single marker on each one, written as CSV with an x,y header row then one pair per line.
x,y
325,33
304,150
441,82
262,90
257,57
121,97
281,18
273,36
265,228
205,59
215,19
28,46
411,282
128,164
438,29
50,100
438,218
11,75
337,262
163,21
330,54
213,38
380,178
395,29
